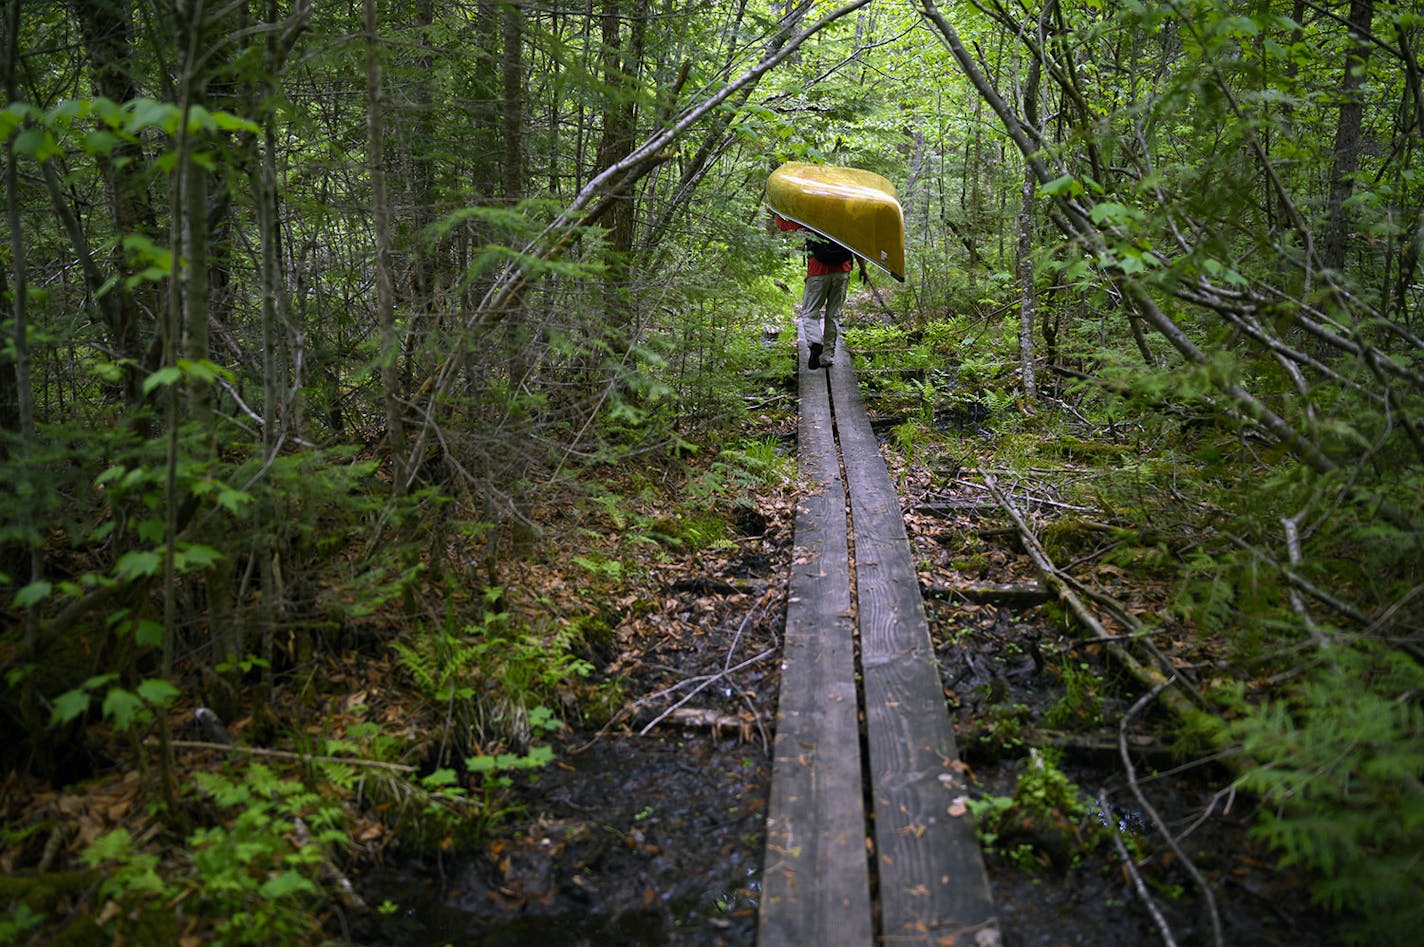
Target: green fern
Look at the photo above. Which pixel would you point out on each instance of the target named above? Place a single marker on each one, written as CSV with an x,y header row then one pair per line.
x,y
1342,769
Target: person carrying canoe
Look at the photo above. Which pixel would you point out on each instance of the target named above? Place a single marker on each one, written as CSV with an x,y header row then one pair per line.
x,y
828,266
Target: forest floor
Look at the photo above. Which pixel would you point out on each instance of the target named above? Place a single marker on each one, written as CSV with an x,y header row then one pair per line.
x,y
647,828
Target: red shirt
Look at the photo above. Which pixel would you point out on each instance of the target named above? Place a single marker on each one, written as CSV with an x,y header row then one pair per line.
x,y
814,267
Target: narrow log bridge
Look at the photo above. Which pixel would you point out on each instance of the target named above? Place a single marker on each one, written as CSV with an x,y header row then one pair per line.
x,y
868,840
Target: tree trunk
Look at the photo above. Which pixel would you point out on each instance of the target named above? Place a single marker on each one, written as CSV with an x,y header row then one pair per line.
x,y
105,28
385,282
1028,307
1346,152
512,22
621,65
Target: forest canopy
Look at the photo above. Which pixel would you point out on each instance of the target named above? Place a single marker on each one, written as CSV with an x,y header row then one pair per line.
x,y
310,308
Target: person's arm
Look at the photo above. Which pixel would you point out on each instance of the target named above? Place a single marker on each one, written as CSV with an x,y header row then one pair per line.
x,y
784,225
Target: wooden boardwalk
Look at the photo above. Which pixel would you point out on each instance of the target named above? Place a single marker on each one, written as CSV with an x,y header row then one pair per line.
x,y
867,838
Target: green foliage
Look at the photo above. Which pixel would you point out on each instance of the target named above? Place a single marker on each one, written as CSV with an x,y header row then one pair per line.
x,y
255,878
122,706
489,680
1341,767
1039,822
758,461
1081,706
21,921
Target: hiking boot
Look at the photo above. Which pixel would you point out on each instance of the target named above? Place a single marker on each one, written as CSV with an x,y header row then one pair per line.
x,y
815,361
826,362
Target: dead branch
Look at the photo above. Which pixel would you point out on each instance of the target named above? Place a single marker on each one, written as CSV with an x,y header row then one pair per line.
x,y
1019,595
703,682
289,755
1156,818
1137,883
1117,646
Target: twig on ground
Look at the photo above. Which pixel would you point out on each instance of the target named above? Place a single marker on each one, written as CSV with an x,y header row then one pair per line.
x,y
702,683
1156,818
1162,926
1149,674
289,755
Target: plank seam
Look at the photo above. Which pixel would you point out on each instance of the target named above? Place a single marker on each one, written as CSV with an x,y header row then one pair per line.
x,y
872,863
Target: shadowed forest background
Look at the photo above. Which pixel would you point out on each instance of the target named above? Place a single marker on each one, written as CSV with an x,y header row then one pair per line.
x,y
398,337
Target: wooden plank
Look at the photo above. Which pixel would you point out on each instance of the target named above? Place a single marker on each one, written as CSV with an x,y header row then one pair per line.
x,y
931,880
816,879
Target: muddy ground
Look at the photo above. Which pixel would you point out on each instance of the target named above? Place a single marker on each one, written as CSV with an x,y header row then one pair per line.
x,y
651,838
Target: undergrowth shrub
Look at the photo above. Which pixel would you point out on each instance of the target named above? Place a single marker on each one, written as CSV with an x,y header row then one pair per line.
x,y
1341,767
486,678
256,878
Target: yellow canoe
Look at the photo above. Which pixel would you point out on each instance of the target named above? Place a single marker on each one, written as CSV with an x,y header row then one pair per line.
x,y
857,209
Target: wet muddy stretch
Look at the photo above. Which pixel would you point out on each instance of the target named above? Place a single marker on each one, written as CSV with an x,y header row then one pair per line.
x,y
656,837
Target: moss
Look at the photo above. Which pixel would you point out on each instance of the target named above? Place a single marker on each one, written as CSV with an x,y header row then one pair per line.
x,y
692,531
1068,537
1079,449
59,895
975,564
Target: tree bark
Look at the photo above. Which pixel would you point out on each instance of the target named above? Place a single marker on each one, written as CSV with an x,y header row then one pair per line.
x,y
385,282
512,63
1028,306
1346,151
105,29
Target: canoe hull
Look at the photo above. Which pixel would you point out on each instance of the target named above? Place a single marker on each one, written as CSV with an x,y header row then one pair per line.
x,y
857,209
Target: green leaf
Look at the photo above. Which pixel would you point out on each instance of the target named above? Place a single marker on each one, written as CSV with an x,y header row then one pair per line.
x,y
148,632
228,122
200,119
137,564
100,142
164,376
157,691
285,885
68,705
115,846
122,706
233,500
147,113
32,594
441,777
36,143
195,556
1065,186
1112,213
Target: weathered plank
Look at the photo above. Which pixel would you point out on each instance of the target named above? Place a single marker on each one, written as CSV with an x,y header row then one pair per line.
x,y
816,882
931,880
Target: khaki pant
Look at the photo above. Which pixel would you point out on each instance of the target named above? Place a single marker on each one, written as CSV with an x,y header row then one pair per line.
x,y
829,291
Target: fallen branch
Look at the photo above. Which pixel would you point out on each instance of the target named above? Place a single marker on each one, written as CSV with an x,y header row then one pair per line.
x,y
702,683
1156,818
1142,893
990,593
289,755
705,718
1147,674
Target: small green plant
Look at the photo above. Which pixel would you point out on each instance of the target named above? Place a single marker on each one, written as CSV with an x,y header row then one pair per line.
x,y
1081,705
1039,824
487,678
758,461
253,878
910,438
19,923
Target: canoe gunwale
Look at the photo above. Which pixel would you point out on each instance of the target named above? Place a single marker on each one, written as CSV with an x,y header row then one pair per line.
x,y
826,236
